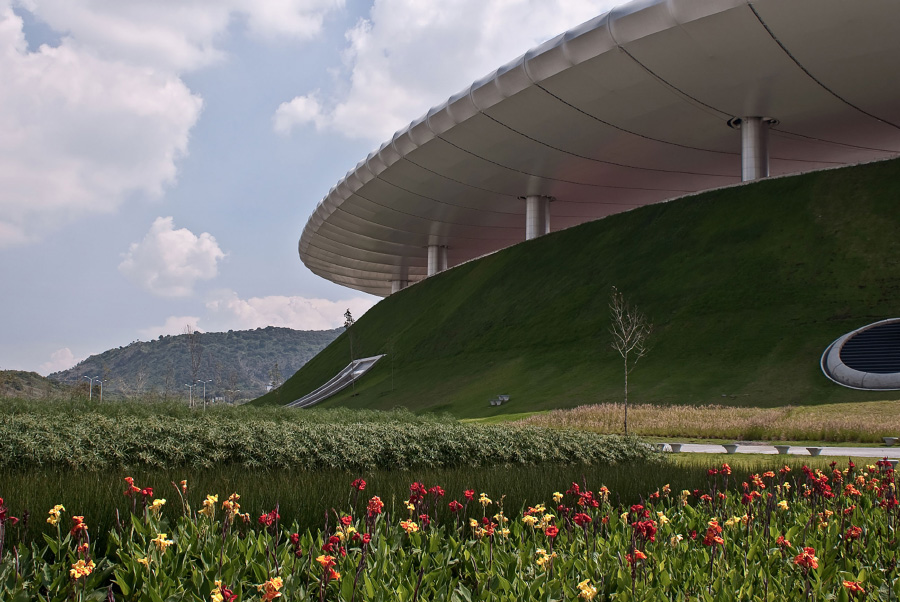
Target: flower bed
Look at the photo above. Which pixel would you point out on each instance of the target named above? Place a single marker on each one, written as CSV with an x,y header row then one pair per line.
x,y
778,535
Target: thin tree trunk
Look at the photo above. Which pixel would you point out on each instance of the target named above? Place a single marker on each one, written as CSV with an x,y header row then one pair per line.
x,y
626,397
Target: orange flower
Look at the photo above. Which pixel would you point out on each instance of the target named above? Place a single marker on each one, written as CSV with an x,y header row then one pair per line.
x,y
269,589
854,587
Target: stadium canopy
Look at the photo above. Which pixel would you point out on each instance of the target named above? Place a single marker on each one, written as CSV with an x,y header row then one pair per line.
x,y
651,101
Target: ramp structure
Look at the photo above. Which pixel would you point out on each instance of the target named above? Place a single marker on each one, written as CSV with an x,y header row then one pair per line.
x,y
342,380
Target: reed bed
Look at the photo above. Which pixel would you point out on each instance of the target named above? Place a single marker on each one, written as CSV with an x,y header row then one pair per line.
x,y
858,422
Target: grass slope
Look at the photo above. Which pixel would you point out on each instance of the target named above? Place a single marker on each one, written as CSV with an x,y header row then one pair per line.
x,y
745,286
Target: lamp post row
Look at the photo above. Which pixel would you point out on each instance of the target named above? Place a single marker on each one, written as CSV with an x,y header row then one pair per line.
x,y
190,387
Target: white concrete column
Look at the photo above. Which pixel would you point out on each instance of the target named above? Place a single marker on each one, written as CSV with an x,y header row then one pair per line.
x,y
754,146
537,216
437,259
398,285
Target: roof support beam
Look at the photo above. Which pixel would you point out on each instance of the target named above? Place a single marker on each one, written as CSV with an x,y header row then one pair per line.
x,y
437,259
754,147
537,216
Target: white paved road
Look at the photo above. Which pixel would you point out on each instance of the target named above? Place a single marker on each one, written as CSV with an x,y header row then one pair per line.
x,y
862,452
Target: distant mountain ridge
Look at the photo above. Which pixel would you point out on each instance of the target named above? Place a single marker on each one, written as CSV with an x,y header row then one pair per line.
x,y
240,363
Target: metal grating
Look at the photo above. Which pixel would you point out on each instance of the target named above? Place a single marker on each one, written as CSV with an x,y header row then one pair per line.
x,y
875,350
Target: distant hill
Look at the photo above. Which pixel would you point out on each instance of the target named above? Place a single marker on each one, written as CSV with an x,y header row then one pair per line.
x,y
30,385
245,360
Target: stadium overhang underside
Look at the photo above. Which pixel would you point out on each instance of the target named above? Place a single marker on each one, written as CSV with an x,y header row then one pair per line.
x,y
630,108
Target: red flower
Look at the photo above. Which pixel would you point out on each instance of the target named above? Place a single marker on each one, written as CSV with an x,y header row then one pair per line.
x,y
375,506
437,491
425,520
469,494
268,519
346,520
782,542
455,506
358,484
853,532
551,531
807,559
147,492
295,539
646,529
366,538
581,519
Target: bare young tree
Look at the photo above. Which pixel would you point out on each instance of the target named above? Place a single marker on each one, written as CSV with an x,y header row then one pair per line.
x,y
630,330
195,349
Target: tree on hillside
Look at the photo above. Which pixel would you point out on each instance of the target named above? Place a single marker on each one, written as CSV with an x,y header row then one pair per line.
x,y
630,330
348,322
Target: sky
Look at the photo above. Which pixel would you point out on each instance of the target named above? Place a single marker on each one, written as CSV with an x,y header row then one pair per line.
x,y
159,160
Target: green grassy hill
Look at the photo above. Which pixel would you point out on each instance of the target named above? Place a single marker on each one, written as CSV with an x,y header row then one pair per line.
x,y
745,287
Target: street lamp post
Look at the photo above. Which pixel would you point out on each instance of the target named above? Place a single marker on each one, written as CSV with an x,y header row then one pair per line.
x,y
91,387
191,394
101,387
204,390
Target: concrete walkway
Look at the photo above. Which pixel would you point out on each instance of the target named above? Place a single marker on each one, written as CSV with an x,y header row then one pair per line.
x,y
752,448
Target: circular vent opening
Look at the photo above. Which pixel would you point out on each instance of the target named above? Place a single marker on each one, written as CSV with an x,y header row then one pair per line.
x,y
867,358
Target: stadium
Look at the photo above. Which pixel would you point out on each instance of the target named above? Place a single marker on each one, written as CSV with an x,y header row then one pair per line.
x,y
649,102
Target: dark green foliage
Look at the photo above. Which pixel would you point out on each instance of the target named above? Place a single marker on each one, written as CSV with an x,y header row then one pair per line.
x,y
242,359
93,441
745,287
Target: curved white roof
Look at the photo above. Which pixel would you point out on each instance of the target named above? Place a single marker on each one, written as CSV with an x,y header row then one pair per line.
x,y
628,109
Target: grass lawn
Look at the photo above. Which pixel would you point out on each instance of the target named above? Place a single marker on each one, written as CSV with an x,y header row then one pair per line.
x,y
745,288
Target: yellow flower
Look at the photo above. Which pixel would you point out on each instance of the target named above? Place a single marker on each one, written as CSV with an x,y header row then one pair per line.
x,y
543,559
484,500
557,496
783,504
675,540
81,569
231,506
663,519
144,561
410,507
157,505
209,506
473,523
529,520
624,517
666,489
586,591
161,542
54,513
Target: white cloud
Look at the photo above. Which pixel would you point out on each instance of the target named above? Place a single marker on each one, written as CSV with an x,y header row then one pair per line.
x,y
79,133
300,313
297,112
104,116
410,55
174,325
176,35
61,359
168,262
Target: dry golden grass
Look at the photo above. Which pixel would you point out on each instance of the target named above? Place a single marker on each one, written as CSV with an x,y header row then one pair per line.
x,y
862,422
